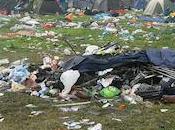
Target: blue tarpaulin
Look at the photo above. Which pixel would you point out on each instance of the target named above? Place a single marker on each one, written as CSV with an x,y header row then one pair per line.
x,y
152,19
162,57
139,4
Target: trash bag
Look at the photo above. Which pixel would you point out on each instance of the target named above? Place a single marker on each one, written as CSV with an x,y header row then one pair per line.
x,y
19,74
110,92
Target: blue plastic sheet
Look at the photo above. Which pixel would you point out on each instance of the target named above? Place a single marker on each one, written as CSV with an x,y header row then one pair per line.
x,y
151,19
19,74
102,16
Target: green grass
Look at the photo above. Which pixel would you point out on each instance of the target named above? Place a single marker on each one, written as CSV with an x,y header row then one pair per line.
x,y
135,117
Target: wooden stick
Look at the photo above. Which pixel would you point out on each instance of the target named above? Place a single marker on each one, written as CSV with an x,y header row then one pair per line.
x,y
72,104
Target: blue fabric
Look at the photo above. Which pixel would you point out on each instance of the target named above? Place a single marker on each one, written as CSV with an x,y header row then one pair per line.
x,y
139,4
19,74
150,19
102,16
162,57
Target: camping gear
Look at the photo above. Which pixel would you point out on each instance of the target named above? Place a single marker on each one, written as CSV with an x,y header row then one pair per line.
x,y
7,5
101,5
140,4
152,19
106,5
81,4
46,7
155,7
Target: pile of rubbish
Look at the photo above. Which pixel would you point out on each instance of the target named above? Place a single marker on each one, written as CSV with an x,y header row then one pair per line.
x,y
110,72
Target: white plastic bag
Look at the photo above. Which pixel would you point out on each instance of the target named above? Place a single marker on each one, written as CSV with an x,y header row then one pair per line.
x,y
68,78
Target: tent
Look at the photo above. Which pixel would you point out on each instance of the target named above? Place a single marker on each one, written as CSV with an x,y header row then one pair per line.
x,y
100,5
82,4
7,4
46,6
140,4
158,7
105,5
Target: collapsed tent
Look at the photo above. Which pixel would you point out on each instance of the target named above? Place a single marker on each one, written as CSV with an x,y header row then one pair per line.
x,y
158,7
140,4
46,7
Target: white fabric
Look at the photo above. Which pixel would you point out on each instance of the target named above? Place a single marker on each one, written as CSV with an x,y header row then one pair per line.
x,y
158,6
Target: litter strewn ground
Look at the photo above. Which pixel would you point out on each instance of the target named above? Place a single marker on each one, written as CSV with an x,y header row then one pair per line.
x,y
111,80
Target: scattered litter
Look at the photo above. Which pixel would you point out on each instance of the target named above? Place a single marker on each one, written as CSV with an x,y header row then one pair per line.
x,y
107,105
16,87
67,51
1,118
122,107
36,113
68,78
4,62
31,106
1,94
115,119
90,50
96,127
163,110
108,74
72,125
19,74
71,109
110,92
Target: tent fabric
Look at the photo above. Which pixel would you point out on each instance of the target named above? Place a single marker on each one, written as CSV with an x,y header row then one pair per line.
x,y
94,63
162,57
152,19
158,7
81,4
140,4
100,5
46,6
106,5
7,4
